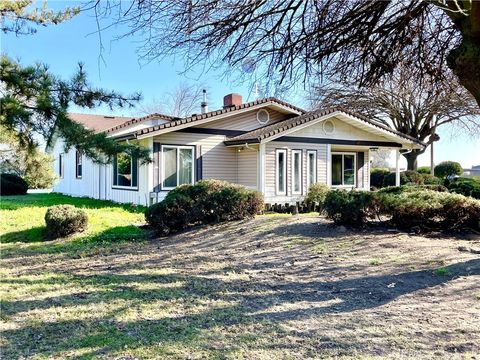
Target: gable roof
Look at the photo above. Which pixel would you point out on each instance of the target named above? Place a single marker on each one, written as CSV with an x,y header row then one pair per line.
x,y
140,120
98,123
191,120
258,135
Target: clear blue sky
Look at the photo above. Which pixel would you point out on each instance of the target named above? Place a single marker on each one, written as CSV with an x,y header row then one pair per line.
x,y
64,45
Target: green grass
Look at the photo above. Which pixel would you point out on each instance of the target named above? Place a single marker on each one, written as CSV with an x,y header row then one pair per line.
x,y
23,223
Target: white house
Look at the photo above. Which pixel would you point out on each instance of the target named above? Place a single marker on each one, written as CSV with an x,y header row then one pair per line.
x,y
267,144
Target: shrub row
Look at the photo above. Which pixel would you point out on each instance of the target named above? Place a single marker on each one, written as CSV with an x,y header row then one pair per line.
x,y
465,186
11,184
380,178
404,206
208,201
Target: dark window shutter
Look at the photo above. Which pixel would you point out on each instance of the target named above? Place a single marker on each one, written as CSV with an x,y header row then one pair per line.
x,y
198,163
134,171
360,168
115,170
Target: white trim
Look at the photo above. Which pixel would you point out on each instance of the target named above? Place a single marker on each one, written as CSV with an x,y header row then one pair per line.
x,y
299,192
284,152
329,164
367,162
119,187
397,167
343,153
314,153
261,168
149,166
177,147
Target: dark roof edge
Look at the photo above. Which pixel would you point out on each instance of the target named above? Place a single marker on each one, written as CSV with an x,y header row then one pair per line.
x,y
140,120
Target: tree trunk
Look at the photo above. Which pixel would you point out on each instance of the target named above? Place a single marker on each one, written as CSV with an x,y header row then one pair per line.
x,y
412,159
464,60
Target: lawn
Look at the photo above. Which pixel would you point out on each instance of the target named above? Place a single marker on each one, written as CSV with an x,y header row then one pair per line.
x,y
274,287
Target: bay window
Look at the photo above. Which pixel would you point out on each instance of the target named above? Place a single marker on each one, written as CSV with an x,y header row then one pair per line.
x,y
296,171
125,171
311,168
343,169
177,164
281,171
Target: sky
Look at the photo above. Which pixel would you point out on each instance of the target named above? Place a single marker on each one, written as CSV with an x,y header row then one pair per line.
x,y
64,45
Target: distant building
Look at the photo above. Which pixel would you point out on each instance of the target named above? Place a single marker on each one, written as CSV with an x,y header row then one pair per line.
x,y
474,171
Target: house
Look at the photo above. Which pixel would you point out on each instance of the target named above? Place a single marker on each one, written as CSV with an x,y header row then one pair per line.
x,y
267,144
474,171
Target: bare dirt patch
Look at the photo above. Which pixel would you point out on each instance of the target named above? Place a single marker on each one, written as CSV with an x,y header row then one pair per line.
x,y
272,287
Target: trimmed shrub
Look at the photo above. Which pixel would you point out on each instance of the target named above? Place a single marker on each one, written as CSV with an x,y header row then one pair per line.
x,y
64,220
406,177
411,188
430,209
11,184
208,201
424,170
431,180
465,186
448,168
316,194
349,207
377,175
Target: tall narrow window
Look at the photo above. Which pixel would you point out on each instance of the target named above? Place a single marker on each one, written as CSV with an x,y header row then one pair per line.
x,y
311,168
60,166
125,171
78,165
177,164
343,169
281,172
296,171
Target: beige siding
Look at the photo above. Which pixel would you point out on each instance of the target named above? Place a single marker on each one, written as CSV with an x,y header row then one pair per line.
x,y
366,171
244,122
247,167
270,169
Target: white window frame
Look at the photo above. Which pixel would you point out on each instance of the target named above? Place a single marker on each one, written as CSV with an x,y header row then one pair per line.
x,y
277,171
343,172
177,147
309,152
299,152
115,171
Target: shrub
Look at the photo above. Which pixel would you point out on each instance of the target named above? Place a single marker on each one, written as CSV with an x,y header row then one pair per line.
x,y
11,184
411,188
465,186
349,207
377,176
423,170
430,209
431,180
64,220
448,168
406,177
316,194
208,201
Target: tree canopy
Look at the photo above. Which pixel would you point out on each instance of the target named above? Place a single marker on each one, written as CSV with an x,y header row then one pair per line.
x,y
35,103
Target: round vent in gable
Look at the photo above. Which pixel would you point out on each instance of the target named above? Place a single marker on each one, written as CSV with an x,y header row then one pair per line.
x,y
328,127
263,116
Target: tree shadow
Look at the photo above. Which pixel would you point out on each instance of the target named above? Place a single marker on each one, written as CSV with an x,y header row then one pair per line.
x,y
31,235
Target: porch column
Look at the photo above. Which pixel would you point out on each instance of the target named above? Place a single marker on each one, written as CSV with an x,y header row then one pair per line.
x,y
261,168
149,170
397,167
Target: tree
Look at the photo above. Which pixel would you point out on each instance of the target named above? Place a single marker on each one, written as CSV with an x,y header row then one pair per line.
x,y
183,101
448,168
35,103
359,40
409,105
20,17
34,166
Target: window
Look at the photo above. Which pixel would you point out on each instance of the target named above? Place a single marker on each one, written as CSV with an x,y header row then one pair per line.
x,y
125,171
281,172
343,169
177,163
60,166
311,168
78,165
296,171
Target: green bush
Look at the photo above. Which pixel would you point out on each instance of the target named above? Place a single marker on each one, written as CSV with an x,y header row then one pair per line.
x,y
411,188
431,180
429,209
11,184
406,177
448,168
316,194
208,201
64,220
465,186
377,175
424,169
349,207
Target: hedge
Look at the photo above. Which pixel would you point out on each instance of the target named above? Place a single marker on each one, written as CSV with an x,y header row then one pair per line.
x,y
465,186
11,184
208,201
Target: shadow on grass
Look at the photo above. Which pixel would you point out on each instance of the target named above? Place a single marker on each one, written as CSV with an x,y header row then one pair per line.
x,y
45,200
24,236
247,302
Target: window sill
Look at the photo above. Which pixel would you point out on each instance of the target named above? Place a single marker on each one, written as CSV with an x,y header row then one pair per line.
x,y
125,187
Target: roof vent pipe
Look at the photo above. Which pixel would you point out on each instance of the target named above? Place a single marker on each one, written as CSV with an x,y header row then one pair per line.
x,y
204,104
